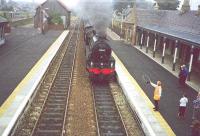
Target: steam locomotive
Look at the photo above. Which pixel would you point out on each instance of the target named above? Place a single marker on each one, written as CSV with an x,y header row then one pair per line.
x,y
100,64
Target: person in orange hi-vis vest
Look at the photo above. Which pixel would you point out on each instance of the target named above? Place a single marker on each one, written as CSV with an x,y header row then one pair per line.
x,y
157,94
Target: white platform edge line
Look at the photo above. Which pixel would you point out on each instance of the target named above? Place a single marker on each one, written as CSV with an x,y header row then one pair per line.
x,y
53,50
147,125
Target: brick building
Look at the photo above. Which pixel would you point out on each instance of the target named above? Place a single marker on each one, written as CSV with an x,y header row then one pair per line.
x,y
44,12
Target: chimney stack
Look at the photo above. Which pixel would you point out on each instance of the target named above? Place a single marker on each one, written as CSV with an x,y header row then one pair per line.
x,y
156,7
185,7
198,11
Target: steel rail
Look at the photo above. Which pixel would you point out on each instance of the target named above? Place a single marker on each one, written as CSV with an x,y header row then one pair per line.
x,y
65,116
109,120
37,122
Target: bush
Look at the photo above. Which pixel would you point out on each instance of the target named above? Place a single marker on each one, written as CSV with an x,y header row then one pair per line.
x,y
55,18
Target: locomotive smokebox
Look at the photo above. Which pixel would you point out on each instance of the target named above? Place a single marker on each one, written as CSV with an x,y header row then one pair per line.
x,y
101,36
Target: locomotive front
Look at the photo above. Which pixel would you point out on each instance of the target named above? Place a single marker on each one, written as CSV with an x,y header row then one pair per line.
x,y
100,63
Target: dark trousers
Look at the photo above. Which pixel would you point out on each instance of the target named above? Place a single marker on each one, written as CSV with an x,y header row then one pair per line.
x,y
156,104
182,80
182,111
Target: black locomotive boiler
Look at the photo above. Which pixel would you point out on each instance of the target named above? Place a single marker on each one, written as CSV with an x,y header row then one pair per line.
x,y
100,64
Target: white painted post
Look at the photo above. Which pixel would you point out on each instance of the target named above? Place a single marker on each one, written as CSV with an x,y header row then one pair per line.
x,y
154,47
141,40
190,65
175,55
147,43
163,53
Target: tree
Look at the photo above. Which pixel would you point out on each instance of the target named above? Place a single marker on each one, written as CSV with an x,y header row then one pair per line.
x,y
144,4
7,8
122,4
55,18
167,4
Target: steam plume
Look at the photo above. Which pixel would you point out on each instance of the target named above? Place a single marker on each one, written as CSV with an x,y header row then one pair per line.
x,y
98,12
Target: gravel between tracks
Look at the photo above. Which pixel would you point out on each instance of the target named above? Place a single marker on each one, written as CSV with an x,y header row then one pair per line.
x,y
80,117
81,120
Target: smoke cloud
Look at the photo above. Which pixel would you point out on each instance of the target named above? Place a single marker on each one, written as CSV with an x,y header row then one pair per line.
x,y
98,12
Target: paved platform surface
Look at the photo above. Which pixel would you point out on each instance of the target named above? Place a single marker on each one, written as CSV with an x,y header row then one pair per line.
x,y
138,64
23,48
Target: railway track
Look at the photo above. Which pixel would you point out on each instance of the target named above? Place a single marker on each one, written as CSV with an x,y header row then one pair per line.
x,y
109,120
52,118
52,113
48,110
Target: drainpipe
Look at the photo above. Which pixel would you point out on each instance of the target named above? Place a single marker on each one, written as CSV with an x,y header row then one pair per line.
x,y
154,47
163,54
175,55
147,43
191,60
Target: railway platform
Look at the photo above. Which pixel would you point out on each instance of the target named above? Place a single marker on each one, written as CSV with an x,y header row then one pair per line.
x,y
23,48
131,65
138,64
22,69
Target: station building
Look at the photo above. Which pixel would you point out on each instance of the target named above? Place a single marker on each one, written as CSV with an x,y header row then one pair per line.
x,y
172,35
44,12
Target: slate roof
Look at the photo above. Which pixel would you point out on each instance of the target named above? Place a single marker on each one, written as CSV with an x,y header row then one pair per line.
x,y
59,1
185,27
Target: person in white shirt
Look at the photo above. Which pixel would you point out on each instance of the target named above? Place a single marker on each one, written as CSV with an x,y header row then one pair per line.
x,y
182,106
